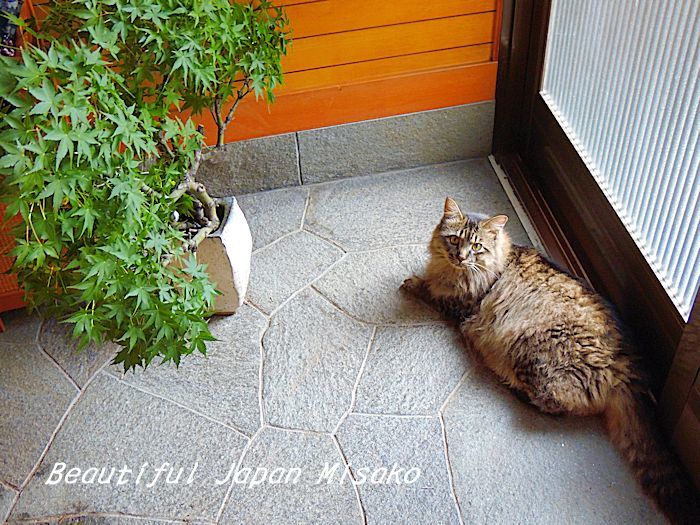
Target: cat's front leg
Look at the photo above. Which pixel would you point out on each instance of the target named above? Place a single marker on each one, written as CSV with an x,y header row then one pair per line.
x,y
417,287
449,307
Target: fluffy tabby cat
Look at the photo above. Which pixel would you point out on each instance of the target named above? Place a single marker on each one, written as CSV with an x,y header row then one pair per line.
x,y
551,339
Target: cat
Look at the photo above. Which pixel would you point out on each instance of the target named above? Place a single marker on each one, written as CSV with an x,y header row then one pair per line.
x,y
553,340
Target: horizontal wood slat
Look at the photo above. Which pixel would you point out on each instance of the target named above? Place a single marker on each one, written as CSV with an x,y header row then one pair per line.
x,y
297,2
385,67
334,16
389,41
361,101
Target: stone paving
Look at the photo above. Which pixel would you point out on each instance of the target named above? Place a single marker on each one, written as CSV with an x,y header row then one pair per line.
x,y
327,364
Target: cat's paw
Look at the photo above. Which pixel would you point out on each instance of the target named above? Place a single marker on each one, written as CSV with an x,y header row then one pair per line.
x,y
412,284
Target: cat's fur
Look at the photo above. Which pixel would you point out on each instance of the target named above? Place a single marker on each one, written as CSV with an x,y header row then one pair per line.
x,y
553,340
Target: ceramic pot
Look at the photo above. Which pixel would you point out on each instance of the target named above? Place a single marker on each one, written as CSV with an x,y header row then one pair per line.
x,y
227,252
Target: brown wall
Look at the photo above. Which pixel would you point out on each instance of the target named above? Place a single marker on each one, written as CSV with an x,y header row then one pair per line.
x,y
354,60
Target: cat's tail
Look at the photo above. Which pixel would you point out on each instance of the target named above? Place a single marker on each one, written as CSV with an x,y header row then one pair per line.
x,y
631,423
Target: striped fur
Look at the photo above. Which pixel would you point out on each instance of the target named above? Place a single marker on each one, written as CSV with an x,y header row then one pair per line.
x,y
553,340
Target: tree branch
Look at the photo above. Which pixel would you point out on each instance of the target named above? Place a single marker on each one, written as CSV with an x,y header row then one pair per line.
x,y
150,191
219,122
210,220
164,143
188,178
199,237
222,123
245,89
205,207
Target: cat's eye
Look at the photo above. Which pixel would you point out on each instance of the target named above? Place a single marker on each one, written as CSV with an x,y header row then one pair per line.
x,y
477,246
453,240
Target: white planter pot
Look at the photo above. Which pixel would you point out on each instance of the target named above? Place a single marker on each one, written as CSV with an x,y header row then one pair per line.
x,y
227,252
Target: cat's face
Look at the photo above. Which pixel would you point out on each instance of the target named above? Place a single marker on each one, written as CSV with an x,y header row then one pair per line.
x,y
471,243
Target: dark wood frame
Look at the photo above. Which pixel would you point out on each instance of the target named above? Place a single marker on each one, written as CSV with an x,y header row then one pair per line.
x,y
570,213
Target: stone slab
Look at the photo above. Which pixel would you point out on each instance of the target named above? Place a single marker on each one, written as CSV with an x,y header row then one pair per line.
x,y
251,165
366,285
285,267
394,143
313,355
88,519
35,395
411,370
305,501
114,425
513,464
374,442
404,207
7,496
272,214
223,384
56,339
20,327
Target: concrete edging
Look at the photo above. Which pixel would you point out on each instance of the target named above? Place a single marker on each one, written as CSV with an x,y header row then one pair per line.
x,y
348,150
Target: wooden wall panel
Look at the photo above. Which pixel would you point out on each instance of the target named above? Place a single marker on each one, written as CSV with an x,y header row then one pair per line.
x,y
335,16
388,41
353,60
287,3
382,97
382,68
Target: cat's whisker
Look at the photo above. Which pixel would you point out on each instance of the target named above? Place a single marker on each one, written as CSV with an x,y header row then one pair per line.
x,y
489,270
479,273
484,272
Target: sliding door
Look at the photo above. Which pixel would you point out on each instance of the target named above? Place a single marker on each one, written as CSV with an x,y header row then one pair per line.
x,y
621,78
597,127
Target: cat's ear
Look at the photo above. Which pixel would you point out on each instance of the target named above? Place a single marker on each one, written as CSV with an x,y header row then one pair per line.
x,y
452,209
495,223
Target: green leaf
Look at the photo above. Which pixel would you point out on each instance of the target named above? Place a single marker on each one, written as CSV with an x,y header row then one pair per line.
x,y
88,215
142,294
55,188
46,95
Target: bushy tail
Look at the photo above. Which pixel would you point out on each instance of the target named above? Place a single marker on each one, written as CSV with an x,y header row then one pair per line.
x,y
633,430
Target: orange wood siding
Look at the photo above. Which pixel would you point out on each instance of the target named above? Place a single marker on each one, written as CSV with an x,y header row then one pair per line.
x,y
353,102
335,16
10,294
389,41
354,60
384,68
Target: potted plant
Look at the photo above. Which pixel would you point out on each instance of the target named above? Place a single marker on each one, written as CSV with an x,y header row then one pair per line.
x,y
101,165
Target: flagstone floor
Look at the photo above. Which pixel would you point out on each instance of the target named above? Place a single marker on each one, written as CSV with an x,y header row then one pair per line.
x,y
326,365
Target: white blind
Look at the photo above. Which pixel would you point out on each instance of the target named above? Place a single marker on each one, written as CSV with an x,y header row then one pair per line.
x,y
621,77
